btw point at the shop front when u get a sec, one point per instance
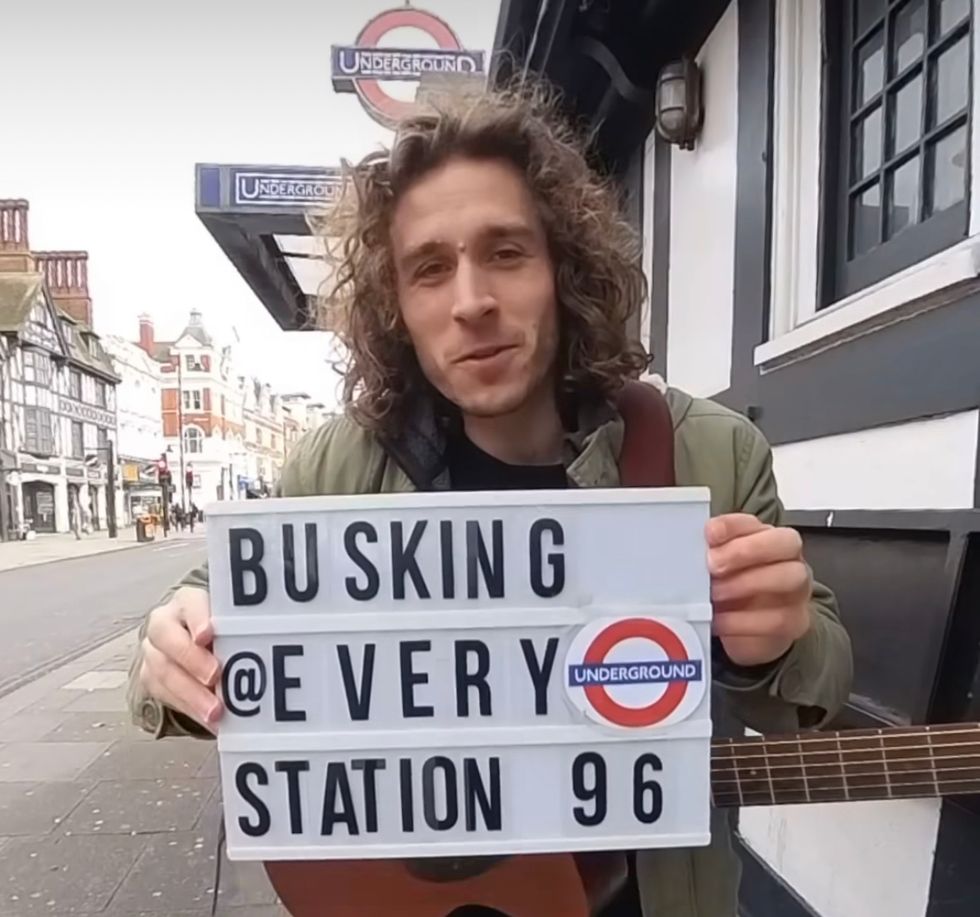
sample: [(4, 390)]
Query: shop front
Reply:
[(9, 520), (42, 490), (39, 513), (141, 489)]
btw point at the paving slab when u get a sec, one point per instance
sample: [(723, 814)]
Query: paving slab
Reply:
[(140, 760), (63, 875), (98, 680), (49, 703), (105, 700), (140, 807), (29, 726), (25, 762), (35, 809), (174, 872), (93, 726), (210, 766), (242, 883)]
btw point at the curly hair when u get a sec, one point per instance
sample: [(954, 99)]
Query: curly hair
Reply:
[(599, 282)]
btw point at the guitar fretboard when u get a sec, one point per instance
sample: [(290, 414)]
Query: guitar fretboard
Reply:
[(862, 764)]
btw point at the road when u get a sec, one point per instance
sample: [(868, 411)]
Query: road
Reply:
[(57, 611)]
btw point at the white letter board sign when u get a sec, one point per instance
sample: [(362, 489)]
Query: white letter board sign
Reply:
[(463, 674)]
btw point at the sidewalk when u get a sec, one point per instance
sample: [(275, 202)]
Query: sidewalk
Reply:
[(97, 818), (46, 548)]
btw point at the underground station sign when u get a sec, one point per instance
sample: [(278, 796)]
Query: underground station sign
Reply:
[(463, 674), (363, 67)]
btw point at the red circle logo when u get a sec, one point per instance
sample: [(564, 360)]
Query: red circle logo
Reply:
[(356, 69), (612, 636), (671, 679)]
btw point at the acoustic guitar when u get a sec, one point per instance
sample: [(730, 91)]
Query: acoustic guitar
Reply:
[(846, 766)]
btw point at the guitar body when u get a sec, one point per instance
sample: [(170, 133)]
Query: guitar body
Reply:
[(542, 885)]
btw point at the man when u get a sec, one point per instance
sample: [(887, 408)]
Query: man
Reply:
[(483, 279)]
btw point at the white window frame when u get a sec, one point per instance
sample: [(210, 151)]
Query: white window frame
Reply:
[(797, 328), (192, 428), (188, 400)]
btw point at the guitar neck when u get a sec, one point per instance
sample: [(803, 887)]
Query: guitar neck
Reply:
[(862, 764)]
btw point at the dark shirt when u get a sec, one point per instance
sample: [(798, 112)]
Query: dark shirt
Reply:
[(470, 468)]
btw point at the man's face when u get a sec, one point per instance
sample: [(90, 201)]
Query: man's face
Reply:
[(476, 286)]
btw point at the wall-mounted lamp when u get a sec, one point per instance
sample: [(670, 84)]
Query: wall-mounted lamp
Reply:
[(680, 110)]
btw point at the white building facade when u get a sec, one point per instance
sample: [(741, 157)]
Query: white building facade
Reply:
[(814, 264), (141, 443)]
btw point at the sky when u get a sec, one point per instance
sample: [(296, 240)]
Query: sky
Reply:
[(107, 106)]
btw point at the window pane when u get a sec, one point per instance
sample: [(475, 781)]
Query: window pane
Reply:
[(869, 69), (909, 35), (948, 14), (866, 13), (867, 145), (903, 197), (947, 170), (906, 116), (949, 86), (865, 220)]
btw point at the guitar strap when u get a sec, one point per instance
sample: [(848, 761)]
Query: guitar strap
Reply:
[(646, 459), (647, 456)]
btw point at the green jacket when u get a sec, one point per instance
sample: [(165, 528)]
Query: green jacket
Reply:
[(714, 448)]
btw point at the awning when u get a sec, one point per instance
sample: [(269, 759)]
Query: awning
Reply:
[(258, 216)]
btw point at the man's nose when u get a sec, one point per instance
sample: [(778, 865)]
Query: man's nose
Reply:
[(473, 297)]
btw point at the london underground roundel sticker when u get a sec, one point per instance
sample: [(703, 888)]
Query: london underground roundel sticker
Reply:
[(636, 673)]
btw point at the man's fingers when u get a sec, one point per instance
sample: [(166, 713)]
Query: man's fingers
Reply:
[(768, 546), (194, 608), (753, 623), (781, 580), (204, 636), (176, 688), (167, 634), (732, 525)]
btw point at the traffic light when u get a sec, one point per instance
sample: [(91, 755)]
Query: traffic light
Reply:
[(189, 479), (163, 476)]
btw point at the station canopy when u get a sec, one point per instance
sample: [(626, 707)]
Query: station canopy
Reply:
[(258, 216)]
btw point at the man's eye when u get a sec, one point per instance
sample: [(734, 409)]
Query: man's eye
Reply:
[(507, 254), (430, 270)]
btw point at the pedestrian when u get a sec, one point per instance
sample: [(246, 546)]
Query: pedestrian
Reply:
[(192, 516), (75, 514), (484, 281)]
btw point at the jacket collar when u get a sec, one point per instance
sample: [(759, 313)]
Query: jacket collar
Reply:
[(591, 450)]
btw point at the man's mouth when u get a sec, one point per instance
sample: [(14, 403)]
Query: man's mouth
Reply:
[(480, 354)]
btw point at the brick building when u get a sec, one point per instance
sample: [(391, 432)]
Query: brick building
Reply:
[(57, 389), (201, 408)]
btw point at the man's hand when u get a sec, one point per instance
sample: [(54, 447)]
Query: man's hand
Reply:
[(760, 587), (178, 667)]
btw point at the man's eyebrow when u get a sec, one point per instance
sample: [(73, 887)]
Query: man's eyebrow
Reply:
[(519, 231), (422, 250), (512, 230)]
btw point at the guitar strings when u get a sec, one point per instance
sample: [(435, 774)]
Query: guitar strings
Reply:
[(856, 789), (857, 735), (909, 773), (877, 757)]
